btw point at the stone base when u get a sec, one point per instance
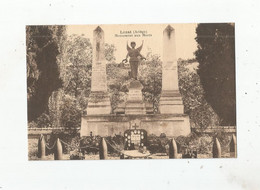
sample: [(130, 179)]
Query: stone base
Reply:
[(171, 103), (99, 104), (135, 104), (108, 125), (133, 108), (122, 107)]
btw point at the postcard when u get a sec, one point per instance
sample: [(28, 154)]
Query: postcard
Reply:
[(131, 91)]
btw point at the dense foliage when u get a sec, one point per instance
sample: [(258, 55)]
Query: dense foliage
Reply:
[(65, 104), (216, 57), (150, 75), (200, 112), (42, 68)]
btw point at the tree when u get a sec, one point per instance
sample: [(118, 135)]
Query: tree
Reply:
[(42, 68), (201, 113), (109, 52), (216, 57), (55, 103), (75, 63), (70, 112), (76, 66)]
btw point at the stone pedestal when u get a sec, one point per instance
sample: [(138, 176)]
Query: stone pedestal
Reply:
[(171, 100), (99, 101), (135, 104)]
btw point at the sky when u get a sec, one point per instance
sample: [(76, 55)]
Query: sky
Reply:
[(184, 33)]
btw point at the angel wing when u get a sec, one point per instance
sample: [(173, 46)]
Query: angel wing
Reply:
[(127, 47), (140, 48)]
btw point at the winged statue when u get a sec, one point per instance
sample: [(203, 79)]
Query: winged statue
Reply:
[(135, 56)]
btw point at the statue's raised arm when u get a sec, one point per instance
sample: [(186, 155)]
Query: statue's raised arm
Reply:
[(127, 47)]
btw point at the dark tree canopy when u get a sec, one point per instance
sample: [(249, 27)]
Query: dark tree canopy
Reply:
[(216, 57), (42, 68)]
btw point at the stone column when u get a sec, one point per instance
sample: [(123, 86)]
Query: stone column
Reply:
[(171, 100), (99, 101)]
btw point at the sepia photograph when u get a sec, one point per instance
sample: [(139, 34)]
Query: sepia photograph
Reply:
[(131, 91)]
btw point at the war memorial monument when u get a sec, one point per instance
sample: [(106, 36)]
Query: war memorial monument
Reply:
[(135, 113)]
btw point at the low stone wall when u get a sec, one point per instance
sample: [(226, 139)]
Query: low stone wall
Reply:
[(213, 129), (108, 125), (97, 126), (36, 132)]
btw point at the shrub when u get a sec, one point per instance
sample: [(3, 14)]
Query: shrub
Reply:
[(201, 143), (157, 144)]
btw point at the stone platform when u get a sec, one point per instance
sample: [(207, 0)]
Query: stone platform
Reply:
[(172, 125)]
